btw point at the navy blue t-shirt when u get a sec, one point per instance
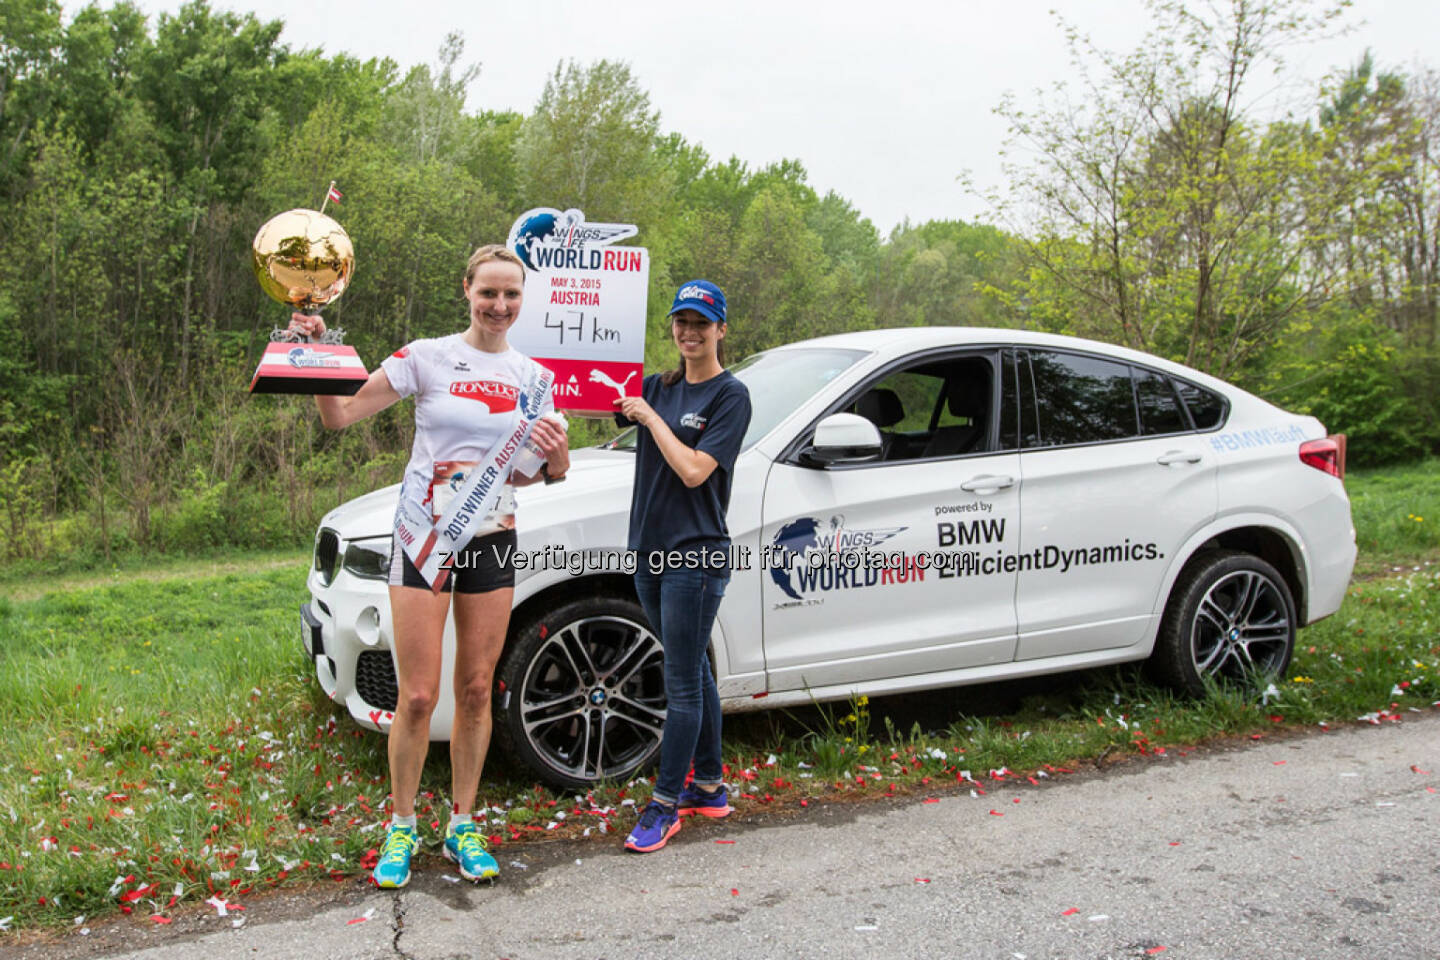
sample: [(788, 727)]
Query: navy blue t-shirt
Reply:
[(666, 515)]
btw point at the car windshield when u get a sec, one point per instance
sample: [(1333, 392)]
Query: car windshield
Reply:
[(779, 381)]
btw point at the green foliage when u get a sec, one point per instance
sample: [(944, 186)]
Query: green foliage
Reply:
[(1349, 372), (137, 157)]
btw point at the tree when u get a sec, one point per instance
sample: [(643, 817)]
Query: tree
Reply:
[(208, 83), (1159, 208), (591, 143), (424, 116)]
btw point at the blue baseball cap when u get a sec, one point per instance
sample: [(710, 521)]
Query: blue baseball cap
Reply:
[(703, 297)]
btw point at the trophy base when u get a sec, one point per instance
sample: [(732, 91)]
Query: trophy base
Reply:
[(329, 369)]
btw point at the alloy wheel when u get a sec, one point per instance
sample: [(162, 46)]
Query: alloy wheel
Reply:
[(592, 701)]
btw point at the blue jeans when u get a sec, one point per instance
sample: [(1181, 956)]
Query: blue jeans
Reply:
[(681, 605)]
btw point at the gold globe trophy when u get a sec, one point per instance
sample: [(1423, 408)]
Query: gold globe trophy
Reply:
[(305, 260)]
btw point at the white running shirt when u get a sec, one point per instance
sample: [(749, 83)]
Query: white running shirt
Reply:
[(464, 403)]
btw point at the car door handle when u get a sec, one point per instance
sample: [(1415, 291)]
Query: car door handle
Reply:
[(985, 483), (1171, 457)]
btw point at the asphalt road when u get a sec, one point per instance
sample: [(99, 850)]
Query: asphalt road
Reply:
[(1316, 846)]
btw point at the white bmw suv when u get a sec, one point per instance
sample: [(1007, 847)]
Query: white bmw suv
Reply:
[(911, 509)]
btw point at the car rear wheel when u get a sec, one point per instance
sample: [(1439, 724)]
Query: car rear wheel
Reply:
[(1230, 619), (583, 693)]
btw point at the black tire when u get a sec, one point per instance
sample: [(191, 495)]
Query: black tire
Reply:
[(1230, 619), (581, 693)]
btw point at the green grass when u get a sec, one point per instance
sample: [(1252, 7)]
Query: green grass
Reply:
[(168, 735), (29, 579), (166, 740), (1397, 516)]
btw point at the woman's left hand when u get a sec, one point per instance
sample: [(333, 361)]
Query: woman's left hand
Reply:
[(637, 410), (554, 443)]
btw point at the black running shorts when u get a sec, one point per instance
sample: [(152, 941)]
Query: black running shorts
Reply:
[(486, 563)]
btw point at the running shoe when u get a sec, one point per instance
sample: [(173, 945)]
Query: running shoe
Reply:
[(393, 868), (693, 800), (658, 823), (466, 845)]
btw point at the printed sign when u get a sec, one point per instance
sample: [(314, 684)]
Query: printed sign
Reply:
[(584, 313)]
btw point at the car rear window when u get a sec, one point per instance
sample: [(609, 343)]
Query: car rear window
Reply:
[(1160, 411), (1207, 409), (1081, 399)]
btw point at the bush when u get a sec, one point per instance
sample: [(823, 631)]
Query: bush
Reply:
[(1356, 378)]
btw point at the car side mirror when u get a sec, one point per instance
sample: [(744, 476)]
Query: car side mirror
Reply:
[(844, 438)]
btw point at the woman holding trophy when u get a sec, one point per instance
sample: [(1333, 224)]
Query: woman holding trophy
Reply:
[(478, 403)]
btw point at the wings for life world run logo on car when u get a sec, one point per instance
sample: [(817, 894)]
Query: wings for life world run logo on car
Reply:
[(809, 556), (546, 238)]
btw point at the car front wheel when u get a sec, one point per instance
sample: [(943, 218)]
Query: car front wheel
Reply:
[(1231, 618), (582, 695)]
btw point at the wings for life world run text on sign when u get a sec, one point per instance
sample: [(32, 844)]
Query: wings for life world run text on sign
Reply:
[(584, 312)]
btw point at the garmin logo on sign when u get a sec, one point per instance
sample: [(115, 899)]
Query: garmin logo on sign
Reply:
[(549, 238)]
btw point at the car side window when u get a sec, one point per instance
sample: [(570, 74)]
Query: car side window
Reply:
[(937, 408), (1081, 399), (1207, 409), (1160, 410)]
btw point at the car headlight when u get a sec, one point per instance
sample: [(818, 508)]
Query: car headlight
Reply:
[(368, 559)]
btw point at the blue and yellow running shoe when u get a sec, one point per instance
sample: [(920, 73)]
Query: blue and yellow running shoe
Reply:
[(658, 823), (393, 868), (466, 846)]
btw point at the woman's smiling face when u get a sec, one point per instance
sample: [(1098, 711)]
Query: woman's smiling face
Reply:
[(495, 293), (695, 334)]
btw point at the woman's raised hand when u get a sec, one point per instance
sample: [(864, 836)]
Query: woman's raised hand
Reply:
[(308, 325)]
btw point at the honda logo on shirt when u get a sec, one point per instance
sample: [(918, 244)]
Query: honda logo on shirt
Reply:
[(498, 396)]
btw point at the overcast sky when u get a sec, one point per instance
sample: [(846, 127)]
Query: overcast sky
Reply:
[(883, 103)]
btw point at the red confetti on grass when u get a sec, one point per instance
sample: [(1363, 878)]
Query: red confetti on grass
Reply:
[(1154, 950), (159, 919), (1278, 763), (725, 841), (931, 800), (734, 892), (996, 813), (1071, 912), (1175, 843), (922, 879), (1416, 768)]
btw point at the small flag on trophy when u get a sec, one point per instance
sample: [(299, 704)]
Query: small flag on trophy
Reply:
[(333, 194)]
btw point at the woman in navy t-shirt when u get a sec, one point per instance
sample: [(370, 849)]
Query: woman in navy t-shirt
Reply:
[(692, 420)]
